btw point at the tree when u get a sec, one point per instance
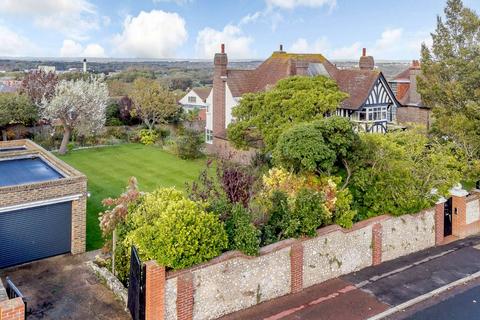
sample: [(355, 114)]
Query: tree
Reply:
[(15, 108), (78, 105), (318, 146), (39, 85), (264, 116), (450, 80), (153, 103)]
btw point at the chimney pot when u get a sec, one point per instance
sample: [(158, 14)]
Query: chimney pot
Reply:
[(222, 48), (364, 52)]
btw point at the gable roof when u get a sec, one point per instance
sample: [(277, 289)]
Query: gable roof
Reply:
[(356, 82), (203, 92)]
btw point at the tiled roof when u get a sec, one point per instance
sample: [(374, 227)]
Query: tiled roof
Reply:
[(202, 92), (357, 83)]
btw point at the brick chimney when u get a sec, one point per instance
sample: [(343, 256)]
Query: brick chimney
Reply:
[(415, 71), (366, 62), (219, 81)]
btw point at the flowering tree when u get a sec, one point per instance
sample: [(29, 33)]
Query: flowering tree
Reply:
[(78, 105)]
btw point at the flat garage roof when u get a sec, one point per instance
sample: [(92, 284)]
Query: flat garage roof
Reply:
[(26, 170)]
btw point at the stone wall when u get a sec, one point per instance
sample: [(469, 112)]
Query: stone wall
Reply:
[(408, 233), (235, 281)]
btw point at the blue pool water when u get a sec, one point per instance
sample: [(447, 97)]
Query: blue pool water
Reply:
[(27, 170)]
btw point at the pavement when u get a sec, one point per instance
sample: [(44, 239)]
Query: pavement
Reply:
[(64, 287), (373, 290)]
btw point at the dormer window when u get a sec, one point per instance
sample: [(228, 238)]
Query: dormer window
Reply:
[(192, 99)]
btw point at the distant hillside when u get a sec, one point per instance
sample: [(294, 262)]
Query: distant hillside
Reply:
[(166, 68)]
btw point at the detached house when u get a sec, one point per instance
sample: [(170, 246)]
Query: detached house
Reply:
[(404, 85), (371, 103), (196, 99)]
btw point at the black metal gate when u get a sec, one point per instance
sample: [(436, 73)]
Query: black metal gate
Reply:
[(447, 220), (136, 287), (13, 292)]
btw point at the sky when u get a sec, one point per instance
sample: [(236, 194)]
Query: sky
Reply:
[(194, 29)]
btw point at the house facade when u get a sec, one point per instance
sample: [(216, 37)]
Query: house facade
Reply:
[(404, 86), (196, 99), (371, 104)]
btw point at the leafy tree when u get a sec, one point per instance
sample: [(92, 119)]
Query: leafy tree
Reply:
[(266, 115), (316, 146), (180, 83), (176, 231), (39, 85), (397, 173), (15, 108), (450, 80), (78, 105), (154, 104)]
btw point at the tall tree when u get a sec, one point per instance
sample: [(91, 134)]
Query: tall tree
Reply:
[(450, 80), (78, 105), (265, 115), (39, 85), (15, 108), (154, 104)]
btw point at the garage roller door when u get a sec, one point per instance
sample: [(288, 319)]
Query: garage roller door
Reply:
[(34, 233)]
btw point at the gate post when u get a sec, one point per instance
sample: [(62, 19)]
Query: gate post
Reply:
[(13, 309), (154, 291), (439, 220), (459, 211)]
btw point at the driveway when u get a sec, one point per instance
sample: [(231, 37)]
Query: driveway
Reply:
[(64, 287)]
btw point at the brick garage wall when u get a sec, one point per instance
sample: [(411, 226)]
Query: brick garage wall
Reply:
[(74, 184), (408, 233), (13, 309), (235, 281)]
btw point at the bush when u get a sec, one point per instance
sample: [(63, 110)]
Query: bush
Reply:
[(279, 212), (188, 145), (242, 234), (308, 213), (113, 115), (176, 231), (148, 137)]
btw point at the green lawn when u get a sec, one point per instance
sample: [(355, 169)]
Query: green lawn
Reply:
[(108, 170)]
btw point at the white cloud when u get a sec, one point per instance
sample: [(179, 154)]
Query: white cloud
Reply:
[(73, 18), (388, 41), (14, 44), (291, 4), (323, 46), (73, 49), (238, 45), (154, 34), (179, 2)]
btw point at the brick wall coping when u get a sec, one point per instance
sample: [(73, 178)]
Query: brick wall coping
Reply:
[(71, 175), (229, 255)]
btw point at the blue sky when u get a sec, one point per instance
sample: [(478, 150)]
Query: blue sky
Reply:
[(195, 28)]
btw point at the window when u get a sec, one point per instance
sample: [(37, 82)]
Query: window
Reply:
[(208, 136), (192, 99), (374, 114)]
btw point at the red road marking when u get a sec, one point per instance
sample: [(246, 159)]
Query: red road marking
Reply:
[(288, 312)]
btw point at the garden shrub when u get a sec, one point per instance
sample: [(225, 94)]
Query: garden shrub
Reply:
[(148, 137), (237, 181), (242, 234), (188, 144), (279, 212), (112, 113), (176, 231)]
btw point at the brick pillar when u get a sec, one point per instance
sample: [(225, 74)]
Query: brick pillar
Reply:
[(79, 225), (377, 233), (296, 267), (185, 299), (13, 309), (459, 211), (220, 63), (154, 291), (439, 221)]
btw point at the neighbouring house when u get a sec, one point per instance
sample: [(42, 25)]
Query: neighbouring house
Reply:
[(404, 85), (197, 99), (9, 85), (42, 204), (371, 104)]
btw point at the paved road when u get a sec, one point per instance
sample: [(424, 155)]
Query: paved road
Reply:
[(460, 307)]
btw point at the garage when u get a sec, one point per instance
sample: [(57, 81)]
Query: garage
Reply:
[(34, 233), (42, 205)]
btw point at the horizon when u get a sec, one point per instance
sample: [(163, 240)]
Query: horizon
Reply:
[(194, 29)]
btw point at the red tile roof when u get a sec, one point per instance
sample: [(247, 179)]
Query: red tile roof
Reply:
[(357, 83)]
